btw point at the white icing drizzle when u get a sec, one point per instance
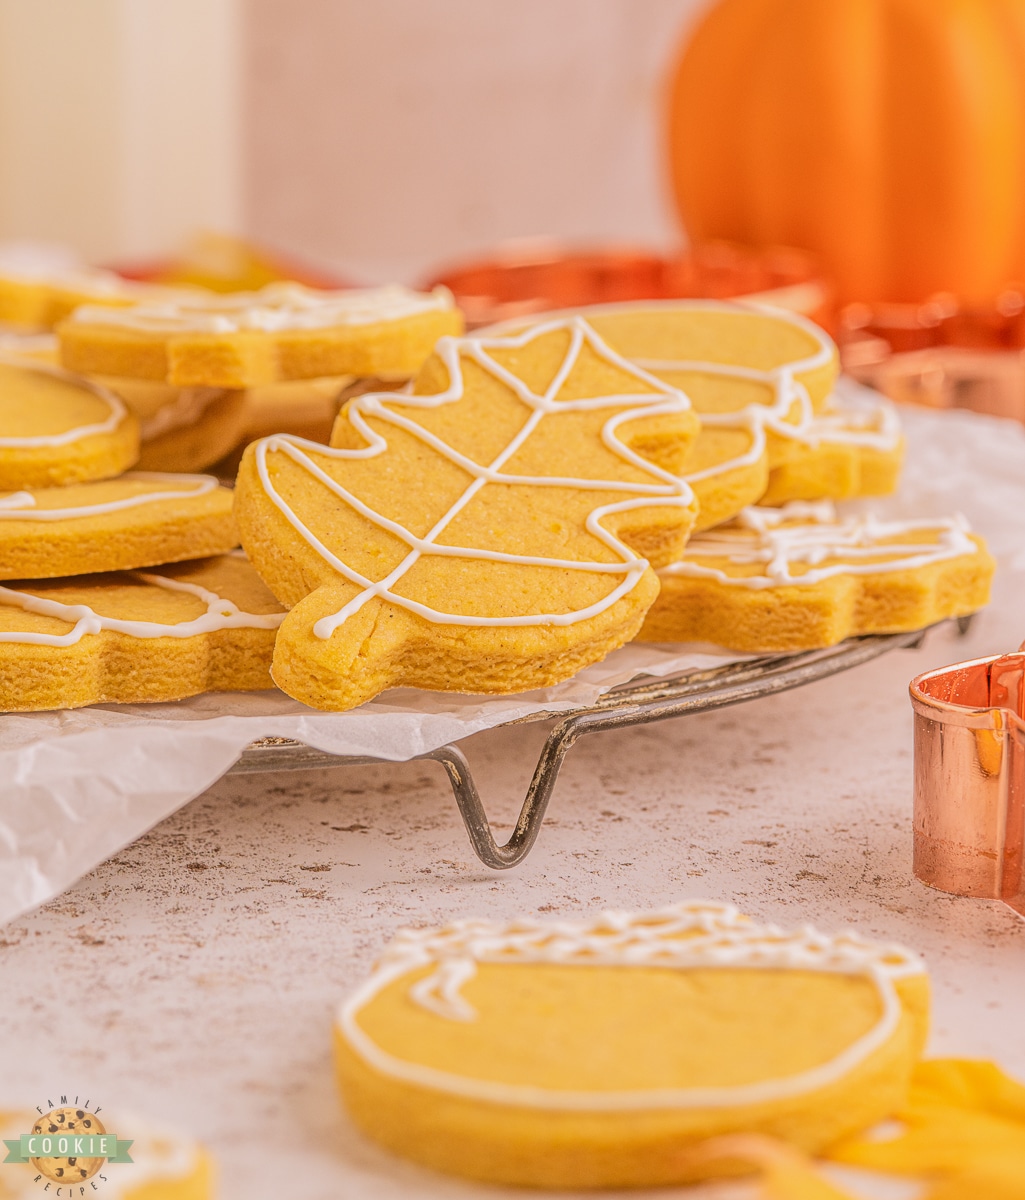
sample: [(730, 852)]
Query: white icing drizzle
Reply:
[(685, 936), (184, 410), (20, 506), (221, 613), (117, 410), (778, 539), (755, 419), (668, 490), (858, 417), (279, 307), (158, 1154)]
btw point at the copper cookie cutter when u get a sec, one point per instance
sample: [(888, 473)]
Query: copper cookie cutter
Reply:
[(969, 821)]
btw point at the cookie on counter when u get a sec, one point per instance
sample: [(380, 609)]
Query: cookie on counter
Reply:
[(58, 428), (802, 577), (595, 1053), (491, 531), (141, 519), (136, 637), (160, 1163), (284, 332)]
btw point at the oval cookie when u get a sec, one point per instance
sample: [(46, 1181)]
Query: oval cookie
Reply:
[(590, 1054), (58, 428), (140, 519)]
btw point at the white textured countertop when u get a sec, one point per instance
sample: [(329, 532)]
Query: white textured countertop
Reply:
[(193, 977)]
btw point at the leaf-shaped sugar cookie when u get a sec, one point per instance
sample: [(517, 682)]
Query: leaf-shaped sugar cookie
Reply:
[(491, 531)]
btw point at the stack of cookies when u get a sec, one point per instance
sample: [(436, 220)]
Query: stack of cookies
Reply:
[(529, 504), (529, 501), (775, 566), (127, 585)]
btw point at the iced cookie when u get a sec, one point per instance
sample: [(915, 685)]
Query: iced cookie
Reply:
[(755, 377), (57, 428), (286, 331), (743, 367), (728, 468), (149, 1162), (490, 532), (800, 577), (593, 1054), (141, 519), (183, 429), (132, 637), (853, 448), (41, 285)]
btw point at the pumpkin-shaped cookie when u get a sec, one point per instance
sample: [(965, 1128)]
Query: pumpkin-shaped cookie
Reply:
[(595, 1053)]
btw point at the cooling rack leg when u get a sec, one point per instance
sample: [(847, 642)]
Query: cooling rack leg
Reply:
[(532, 814)]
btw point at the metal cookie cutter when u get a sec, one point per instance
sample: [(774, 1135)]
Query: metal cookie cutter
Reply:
[(970, 778)]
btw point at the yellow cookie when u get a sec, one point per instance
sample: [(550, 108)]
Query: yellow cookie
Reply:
[(286, 331), (141, 519), (306, 408), (592, 1054), (728, 468), (183, 429), (131, 637), (742, 366), (756, 378), (160, 1163), (482, 534), (38, 292), (800, 577), (853, 448), (58, 428)]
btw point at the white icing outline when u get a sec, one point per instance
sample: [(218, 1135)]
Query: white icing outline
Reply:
[(858, 416), (816, 533), (671, 491), (19, 506), (118, 411), (689, 935), (277, 308), (755, 419), (221, 613)]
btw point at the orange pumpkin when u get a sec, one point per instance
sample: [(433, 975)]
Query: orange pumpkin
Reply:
[(887, 136)]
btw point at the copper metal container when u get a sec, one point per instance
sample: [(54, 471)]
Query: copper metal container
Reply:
[(521, 278), (941, 353), (969, 820)]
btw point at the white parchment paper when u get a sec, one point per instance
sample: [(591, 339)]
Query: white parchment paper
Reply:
[(77, 786)]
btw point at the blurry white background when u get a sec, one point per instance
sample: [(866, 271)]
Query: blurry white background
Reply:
[(379, 137)]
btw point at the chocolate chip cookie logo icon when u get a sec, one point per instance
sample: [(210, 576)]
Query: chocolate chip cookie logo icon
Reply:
[(68, 1145)]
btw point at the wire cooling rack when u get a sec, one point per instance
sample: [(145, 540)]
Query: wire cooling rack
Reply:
[(636, 703)]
